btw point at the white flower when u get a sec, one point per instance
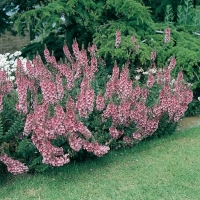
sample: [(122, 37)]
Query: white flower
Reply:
[(7, 54), (17, 53), (172, 82), (24, 60), (137, 78), (11, 62), (189, 84), (11, 56), (63, 18), (54, 24), (6, 67), (12, 78), (139, 70), (153, 71), (145, 73), (3, 59), (21, 58), (13, 69), (198, 98)]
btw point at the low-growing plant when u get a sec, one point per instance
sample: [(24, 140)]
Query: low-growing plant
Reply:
[(73, 108)]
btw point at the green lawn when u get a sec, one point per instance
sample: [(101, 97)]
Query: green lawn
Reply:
[(167, 168)]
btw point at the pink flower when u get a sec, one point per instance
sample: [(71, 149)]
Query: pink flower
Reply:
[(159, 76), (92, 49), (172, 64), (118, 39), (67, 53), (29, 123), (100, 102), (137, 136), (13, 166), (75, 142), (167, 35), (137, 47), (50, 59), (75, 49), (5, 87), (128, 141), (133, 39), (150, 81), (115, 133), (68, 73), (124, 112), (153, 55), (59, 87), (167, 75)]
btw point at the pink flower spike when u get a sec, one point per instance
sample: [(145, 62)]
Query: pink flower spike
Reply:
[(172, 64), (150, 81), (167, 35), (153, 55), (118, 39), (100, 102)]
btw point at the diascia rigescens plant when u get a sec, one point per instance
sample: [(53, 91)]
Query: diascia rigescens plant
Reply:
[(123, 102)]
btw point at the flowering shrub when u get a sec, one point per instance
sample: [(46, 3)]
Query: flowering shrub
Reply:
[(71, 110)]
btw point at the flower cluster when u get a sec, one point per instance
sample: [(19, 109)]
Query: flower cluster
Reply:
[(13, 166), (40, 122), (23, 84), (66, 71), (167, 35), (174, 98), (67, 53), (115, 133), (5, 87), (172, 64), (85, 99), (112, 84), (118, 39), (124, 85), (98, 150), (100, 102), (153, 55), (150, 81), (50, 59), (133, 39)]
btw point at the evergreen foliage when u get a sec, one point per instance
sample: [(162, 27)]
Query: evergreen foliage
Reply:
[(69, 18), (3, 21), (54, 42), (14, 129)]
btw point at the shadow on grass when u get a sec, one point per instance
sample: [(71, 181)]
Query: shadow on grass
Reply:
[(90, 165)]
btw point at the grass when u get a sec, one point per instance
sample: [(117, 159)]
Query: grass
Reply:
[(166, 168)]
